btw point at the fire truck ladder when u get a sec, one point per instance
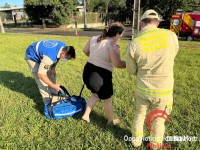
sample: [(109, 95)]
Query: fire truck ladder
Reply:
[(188, 20)]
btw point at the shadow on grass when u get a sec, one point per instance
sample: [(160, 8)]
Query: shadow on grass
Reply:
[(17, 82), (100, 121), (120, 133)]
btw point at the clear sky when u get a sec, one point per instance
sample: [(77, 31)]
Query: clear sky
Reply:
[(18, 3)]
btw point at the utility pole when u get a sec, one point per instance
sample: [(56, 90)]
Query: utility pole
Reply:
[(136, 18), (106, 18), (1, 26), (85, 16)]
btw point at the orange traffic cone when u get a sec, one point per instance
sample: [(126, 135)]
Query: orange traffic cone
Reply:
[(76, 33)]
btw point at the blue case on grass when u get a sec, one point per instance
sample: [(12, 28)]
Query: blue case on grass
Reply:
[(66, 106)]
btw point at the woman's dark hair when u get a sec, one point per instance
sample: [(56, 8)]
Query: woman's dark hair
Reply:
[(70, 51), (111, 31)]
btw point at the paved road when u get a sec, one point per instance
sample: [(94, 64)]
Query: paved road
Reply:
[(55, 31), (127, 34)]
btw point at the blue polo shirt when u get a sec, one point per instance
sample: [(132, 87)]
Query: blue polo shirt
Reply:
[(49, 48)]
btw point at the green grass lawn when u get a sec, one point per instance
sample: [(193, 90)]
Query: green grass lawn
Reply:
[(23, 125)]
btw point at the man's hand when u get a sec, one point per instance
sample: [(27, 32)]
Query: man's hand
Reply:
[(57, 87)]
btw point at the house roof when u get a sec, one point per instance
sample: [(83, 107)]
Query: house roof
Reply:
[(12, 8)]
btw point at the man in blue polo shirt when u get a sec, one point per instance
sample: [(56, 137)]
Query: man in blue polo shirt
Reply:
[(42, 58)]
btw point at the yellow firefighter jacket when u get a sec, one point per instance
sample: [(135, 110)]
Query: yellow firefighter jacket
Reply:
[(150, 56)]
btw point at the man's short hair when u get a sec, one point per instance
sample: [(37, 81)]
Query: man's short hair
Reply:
[(149, 20), (70, 51)]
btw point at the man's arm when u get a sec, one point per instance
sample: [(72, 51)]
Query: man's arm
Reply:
[(46, 80), (131, 65), (42, 73)]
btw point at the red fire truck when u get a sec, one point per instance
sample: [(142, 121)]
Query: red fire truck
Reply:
[(186, 25)]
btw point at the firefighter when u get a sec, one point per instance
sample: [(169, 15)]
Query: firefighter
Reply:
[(150, 56), (42, 58)]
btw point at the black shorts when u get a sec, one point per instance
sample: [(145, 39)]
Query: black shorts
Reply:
[(98, 80)]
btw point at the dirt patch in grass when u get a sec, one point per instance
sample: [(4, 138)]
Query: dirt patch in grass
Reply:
[(190, 46)]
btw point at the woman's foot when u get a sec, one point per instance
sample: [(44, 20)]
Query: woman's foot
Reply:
[(113, 122), (87, 119)]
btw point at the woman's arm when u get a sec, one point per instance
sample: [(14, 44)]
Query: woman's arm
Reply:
[(86, 49), (115, 57)]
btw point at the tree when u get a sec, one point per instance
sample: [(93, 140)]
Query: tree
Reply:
[(114, 6), (55, 11), (166, 8), (107, 7), (92, 5), (6, 5), (191, 5), (129, 9), (117, 10), (106, 3)]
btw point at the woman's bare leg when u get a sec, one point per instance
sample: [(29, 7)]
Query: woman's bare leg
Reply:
[(109, 112), (91, 103)]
